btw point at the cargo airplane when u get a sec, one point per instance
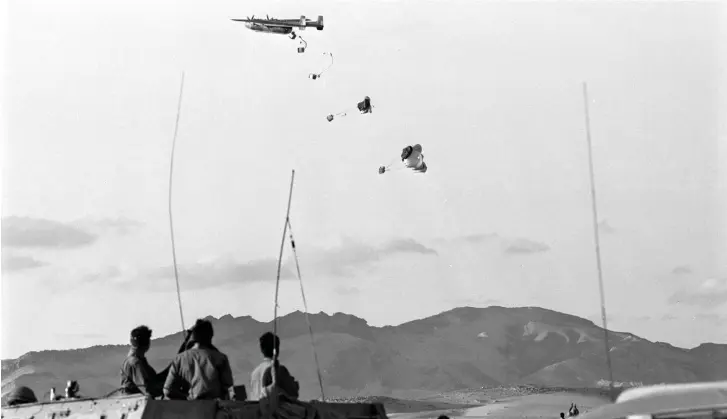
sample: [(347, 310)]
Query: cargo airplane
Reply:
[(280, 26)]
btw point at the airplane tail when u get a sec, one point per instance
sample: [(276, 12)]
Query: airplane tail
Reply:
[(319, 24)]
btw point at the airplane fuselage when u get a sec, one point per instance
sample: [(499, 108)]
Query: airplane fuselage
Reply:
[(281, 26), (282, 30)]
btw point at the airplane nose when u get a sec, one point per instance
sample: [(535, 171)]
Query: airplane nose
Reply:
[(248, 25)]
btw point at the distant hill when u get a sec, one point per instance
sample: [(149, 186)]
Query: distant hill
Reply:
[(461, 348)]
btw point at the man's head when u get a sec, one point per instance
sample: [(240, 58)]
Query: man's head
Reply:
[(72, 388), (21, 395), (562, 415), (141, 338), (269, 343), (202, 332)]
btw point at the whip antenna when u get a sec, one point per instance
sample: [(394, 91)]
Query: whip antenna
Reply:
[(273, 399), (288, 228), (307, 318), (171, 223), (597, 240), (280, 258)]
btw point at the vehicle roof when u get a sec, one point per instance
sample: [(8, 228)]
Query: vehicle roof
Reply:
[(641, 392), (664, 399)]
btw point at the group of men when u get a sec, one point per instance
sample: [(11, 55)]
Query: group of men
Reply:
[(200, 371), (572, 411)]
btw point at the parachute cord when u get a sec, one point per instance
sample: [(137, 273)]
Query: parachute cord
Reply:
[(277, 286), (305, 306), (597, 240), (345, 111), (329, 65), (352, 109), (393, 162), (171, 223)]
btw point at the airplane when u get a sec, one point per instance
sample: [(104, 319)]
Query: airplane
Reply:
[(280, 26)]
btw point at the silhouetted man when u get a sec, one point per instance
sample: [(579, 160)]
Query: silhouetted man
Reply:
[(261, 379), (137, 376), (202, 369)]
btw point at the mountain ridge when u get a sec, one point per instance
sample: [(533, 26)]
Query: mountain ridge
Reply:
[(229, 317), (460, 348)]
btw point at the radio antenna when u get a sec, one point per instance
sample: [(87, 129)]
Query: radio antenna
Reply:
[(171, 223), (273, 397), (597, 240)]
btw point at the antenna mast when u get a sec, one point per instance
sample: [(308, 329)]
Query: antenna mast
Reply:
[(597, 240), (171, 224), (280, 258), (274, 396)]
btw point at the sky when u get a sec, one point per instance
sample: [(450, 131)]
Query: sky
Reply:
[(491, 90)]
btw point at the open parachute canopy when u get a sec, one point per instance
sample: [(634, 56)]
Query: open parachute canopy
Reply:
[(363, 107), (412, 158)]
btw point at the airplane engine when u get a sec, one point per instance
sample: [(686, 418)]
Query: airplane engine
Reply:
[(302, 23), (319, 26)]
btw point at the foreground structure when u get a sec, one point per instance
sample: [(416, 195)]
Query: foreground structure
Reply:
[(139, 407), (672, 401)]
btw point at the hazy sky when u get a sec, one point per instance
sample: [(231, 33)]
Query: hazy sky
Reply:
[(491, 90)]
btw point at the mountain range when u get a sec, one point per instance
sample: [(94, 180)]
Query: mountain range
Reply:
[(461, 348)]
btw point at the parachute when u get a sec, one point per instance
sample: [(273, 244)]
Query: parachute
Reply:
[(314, 76), (411, 155), (363, 107), (412, 158)]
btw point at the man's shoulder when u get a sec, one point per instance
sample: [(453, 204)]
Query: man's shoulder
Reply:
[(217, 354), (281, 369), (262, 367), (209, 353), (181, 357), (132, 360), (265, 363)]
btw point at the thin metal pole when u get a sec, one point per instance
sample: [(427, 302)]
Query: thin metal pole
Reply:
[(273, 397), (171, 223), (307, 317), (280, 258), (597, 239)]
